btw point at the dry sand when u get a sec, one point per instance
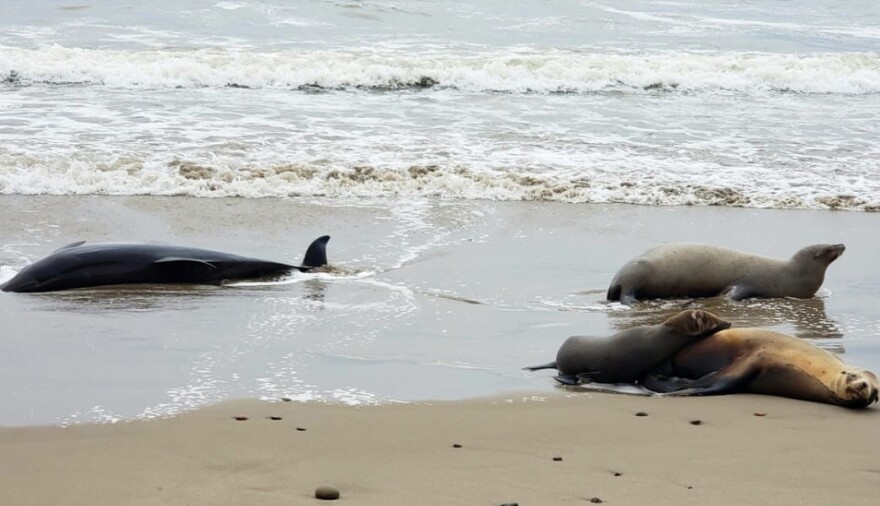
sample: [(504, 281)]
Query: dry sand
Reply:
[(798, 453)]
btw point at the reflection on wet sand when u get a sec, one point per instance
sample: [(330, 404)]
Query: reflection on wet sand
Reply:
[(315, 290), (153, 297), (804, 318), (127, 298)]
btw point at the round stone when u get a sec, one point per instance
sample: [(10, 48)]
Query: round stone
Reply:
[(327, 493)]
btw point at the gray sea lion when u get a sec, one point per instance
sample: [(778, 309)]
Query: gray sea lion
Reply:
[(627, 356), (81, 265), (764, 362), (699, 270)]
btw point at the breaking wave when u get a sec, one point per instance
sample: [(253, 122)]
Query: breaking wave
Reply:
[(455, 182), (510, 71)]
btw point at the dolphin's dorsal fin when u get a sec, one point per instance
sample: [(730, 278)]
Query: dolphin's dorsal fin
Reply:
[(71, 245), (183, 261), (316, 255)]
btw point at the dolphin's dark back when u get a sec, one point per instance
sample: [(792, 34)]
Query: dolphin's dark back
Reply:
[(81, 265)]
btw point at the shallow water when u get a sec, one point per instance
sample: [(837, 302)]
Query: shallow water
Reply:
[(427, 299)]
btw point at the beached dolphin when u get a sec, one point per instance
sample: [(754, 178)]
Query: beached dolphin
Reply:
[(81, 265)]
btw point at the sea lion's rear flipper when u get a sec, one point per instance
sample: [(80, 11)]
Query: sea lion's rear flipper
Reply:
[(549, 365), (316, 254), (566, 379)]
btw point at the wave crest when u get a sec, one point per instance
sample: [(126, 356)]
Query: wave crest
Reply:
[(552, 71), (188, 178)]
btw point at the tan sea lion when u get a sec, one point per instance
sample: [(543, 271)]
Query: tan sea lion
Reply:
[(762, 361), (699, 270), (628, 355)]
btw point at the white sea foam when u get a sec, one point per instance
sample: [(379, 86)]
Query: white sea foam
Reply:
[(550, 71), (631, 185)]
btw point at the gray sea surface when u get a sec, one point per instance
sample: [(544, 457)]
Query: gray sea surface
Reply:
[(763, 103)]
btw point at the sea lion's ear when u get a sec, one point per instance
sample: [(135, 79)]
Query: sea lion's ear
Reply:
[(698, 322)]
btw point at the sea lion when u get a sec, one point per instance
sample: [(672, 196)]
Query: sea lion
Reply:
[(762, 361), (699, 270), (81, 265), (628, 355)]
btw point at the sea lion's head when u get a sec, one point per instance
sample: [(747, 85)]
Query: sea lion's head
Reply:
[(696, 323), (819, 254), (857, 388)]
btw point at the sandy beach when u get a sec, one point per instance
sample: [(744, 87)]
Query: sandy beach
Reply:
[(510, 446)]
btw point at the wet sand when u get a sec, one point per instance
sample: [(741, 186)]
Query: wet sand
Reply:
[(433, 299), (797, 453)]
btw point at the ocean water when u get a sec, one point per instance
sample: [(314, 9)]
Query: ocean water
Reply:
[(759, 104), (475, 163)]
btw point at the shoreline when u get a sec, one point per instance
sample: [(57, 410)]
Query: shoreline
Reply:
[(458, 296), (796, 452)]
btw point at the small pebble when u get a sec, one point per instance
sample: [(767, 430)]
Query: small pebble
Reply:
[(617, 474), (274, 418), (456, 445), (690, 487), (760, 413), (696, 422), (326, 493), (596, 500), (240, 418), (510, 504), (300, 429), (641, 413), (557, 459), (286, 399)]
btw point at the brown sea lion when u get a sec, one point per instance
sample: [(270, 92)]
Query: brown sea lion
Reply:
[(699, 270), (628, 355), (761, 361)]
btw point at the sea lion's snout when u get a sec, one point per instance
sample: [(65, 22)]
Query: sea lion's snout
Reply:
[(836, 251), (862, 388)]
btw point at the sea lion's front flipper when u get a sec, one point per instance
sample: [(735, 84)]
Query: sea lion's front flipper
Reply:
[(726, 381), (662, 384), (737, 292), (628, 298)]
